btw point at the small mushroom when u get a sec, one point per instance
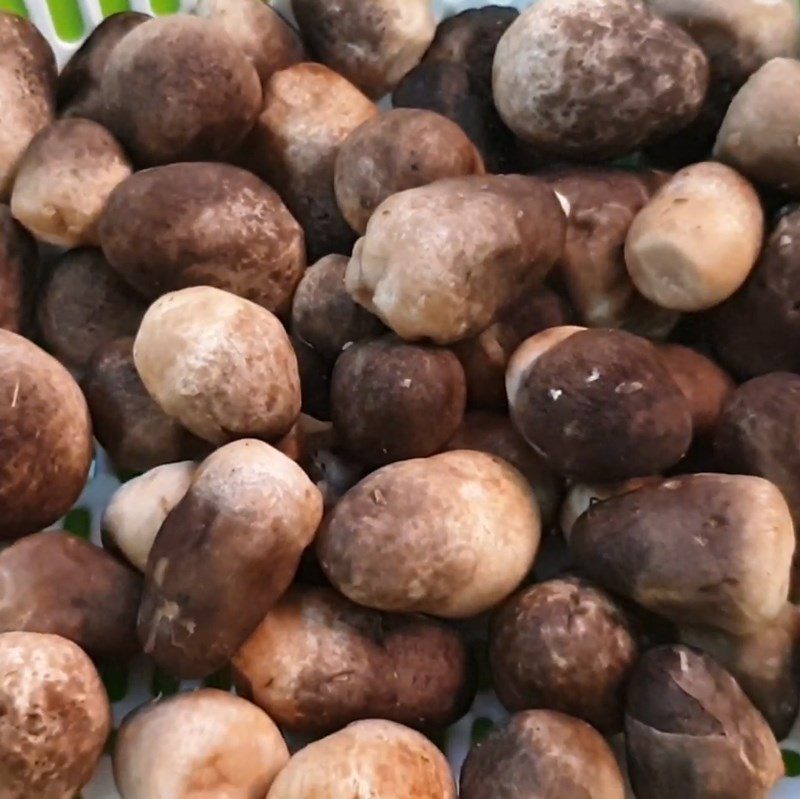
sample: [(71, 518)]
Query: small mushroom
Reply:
[(765, 664), (18, 273), (563, 645), (224, 555), (760, 131), (308, 113), (203, 743), (318, 662), (260, 32), (705, 549), (78, 93), (55, 719), (694, 244), (510, 232), (381, 758), (461, 531), (46, 431), (391, 401), (27, 92), (324, 315), (690, 731), (372, 44), (599, 405), (495, 435), (127, 421), (610, 100), (54, 582), (83, 306), (138, 508), (400, 150), (234, 354), (544, 754)]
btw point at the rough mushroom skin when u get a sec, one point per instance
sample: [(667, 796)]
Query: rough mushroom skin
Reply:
[(563, 645), (511, 231), (308, 113), (359, 755), (247, 242), (57, 583), (27, 92), (602, 205), (759, 134), (485, 357), (56, 717), (696, 241), (552, 72), (494, 434), (205, 743), (372, 44), (45, 429), (200, 108), (18, 273), (78, 92), (402, 149), (64, 180), (224, 555), (462, 529), (757, 331), (391, 401), (324, 315), (222, 366), (598, 404), (318, 662), (706, 549), (691, 731), (128, 423), (765, 664), (260, 32), (545, 754), (83, 305)]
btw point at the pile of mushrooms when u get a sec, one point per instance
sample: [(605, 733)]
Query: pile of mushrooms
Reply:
[(508, 373)]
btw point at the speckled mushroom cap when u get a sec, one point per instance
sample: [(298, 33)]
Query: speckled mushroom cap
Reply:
[(380, 757), (573, 77), (55, 717)]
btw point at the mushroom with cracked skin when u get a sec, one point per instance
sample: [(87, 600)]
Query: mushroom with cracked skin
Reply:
[(44, 422), (372, 44), (461, 529), (690, 731), (392, 400), (177, 88), (511, 231), (224, 555), (206, 743), (704, 549), (563, 645), (27, 92), (380, 757), (402, 149), (318, 662), (222, 366), (227, 229), (308, 113), (697, 240), (599, 405), (613, 97), (56, 717), (545, 754)]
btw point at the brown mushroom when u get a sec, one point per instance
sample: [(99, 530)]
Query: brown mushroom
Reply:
[(18, 273)]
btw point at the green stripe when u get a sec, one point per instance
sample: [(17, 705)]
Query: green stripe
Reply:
[(67, 19), (162, 7), (109, 7), (14, 7)]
